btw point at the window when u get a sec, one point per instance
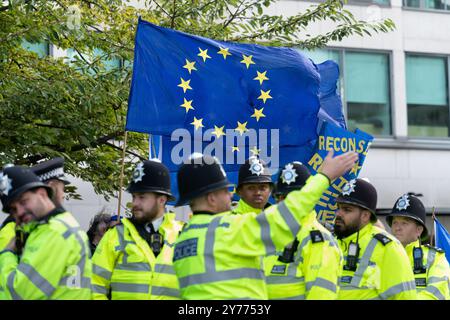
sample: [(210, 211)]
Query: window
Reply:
[(426, 95), (428, 4), (41, 48), (109, 64), (380, 2), (366, 88)]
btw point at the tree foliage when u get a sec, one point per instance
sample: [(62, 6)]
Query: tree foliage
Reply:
[(76, 107)]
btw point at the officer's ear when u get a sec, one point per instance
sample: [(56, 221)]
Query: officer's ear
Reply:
[(162, 199), (365, 216), (419, 230)]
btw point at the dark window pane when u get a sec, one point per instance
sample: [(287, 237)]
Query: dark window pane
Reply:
[(427, 121), (370, 117)]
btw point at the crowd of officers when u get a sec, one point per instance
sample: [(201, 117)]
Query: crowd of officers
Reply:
[(250, 251)]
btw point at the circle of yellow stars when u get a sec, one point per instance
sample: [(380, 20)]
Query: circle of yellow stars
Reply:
[(241, 128)]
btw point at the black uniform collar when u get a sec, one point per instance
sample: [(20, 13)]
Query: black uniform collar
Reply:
[(51, 214), (204, 212)]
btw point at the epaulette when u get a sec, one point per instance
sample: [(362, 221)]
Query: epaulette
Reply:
[(434, 248), (382, 238), (316, 236)]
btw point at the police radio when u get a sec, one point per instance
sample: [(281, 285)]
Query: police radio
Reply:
[(418, 261), (352, 257), (289, 252), (156, 243)]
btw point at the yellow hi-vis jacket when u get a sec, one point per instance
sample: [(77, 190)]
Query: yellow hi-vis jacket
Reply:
[(218, 256), (125, 268), (7, 233), (314, 274), (433, 283), (317, 265), (383, 270), (54, 264)]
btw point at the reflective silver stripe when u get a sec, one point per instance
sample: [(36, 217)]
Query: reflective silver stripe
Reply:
[(210, 263), (133, 266), (99, 289), (323, 283), (163, 291), (85, 282), (265, 233), (225, 275), (430, 258), (164, 268), (122, 243), (14, 294), (83, 245), (436, 279), (39, 281), (399, 288), (289, 218), (298, 254), (283, 279), (435, 291), (101, 272), (349, 287), (129, 287), (364, 263)]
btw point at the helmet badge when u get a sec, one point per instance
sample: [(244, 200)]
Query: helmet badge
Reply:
[(138, 173), (349, 187), (5, 184), (256, 166), (288, 175), (403, 202)]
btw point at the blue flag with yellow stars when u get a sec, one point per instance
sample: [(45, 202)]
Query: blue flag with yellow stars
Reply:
[(183, 81), (340, 140)]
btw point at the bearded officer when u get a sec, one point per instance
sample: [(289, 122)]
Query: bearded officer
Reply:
[(375, 264), (133, 260), (430, 267)]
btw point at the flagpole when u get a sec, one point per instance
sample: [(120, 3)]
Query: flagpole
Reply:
[(433, 235), (121, 175)]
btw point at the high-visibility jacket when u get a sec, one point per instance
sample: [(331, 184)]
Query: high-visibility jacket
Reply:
[(315, 270), (432, 282), (125, 268), (218, 256), (54, 264), (243, 207), (7, 233), (382, 271)]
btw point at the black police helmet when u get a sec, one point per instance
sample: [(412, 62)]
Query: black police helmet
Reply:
[(200, 175), (292, 177), (361, 193), (151, 176), (16, 180), (51, 169), (254, 170), (411, 207)]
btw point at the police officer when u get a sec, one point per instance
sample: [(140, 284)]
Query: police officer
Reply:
[(217, 255), (51, 172), (309, 267), (55, 261), (254, 186), (430, 267), (375, 264), (133, 260)]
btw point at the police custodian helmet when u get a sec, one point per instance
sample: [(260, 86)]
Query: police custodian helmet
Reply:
[(15, 180), (200, 175), (292, 177), (411, 207), (151, 176), (361, 193), (254, 170)]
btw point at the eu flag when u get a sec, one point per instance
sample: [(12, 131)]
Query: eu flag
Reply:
[(190, 82), (442, 238)]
